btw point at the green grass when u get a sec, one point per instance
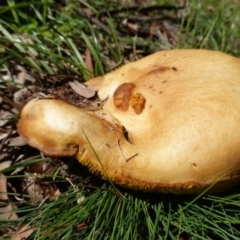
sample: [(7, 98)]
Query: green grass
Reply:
[(50, 40), (215, 26)]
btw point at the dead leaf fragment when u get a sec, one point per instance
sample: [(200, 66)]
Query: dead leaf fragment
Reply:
[(82, 90), (23, 231), (7, 211), (88, 61)]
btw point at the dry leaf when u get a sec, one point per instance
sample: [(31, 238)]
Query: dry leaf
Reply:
[(23, 231), (33, 188), (6, 212), (88, 61), (23, 94), (82, 90), (21, 77), (4, 117), (4, 134), (16, 142), (4, 165)]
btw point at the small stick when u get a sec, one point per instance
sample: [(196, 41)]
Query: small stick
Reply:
[(126, 159)]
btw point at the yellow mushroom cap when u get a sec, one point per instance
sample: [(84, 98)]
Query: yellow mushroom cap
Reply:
[(171, 124)]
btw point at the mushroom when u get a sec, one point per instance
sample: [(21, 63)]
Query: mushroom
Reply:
[(171, 124)]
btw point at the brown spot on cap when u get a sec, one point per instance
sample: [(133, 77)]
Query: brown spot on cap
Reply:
[(122, 95), (157, 70), (137, 102)]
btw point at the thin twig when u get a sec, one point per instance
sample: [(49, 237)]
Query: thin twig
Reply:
[(126, 159)]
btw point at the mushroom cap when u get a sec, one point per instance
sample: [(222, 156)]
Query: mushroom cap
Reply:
[(171, 124)]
